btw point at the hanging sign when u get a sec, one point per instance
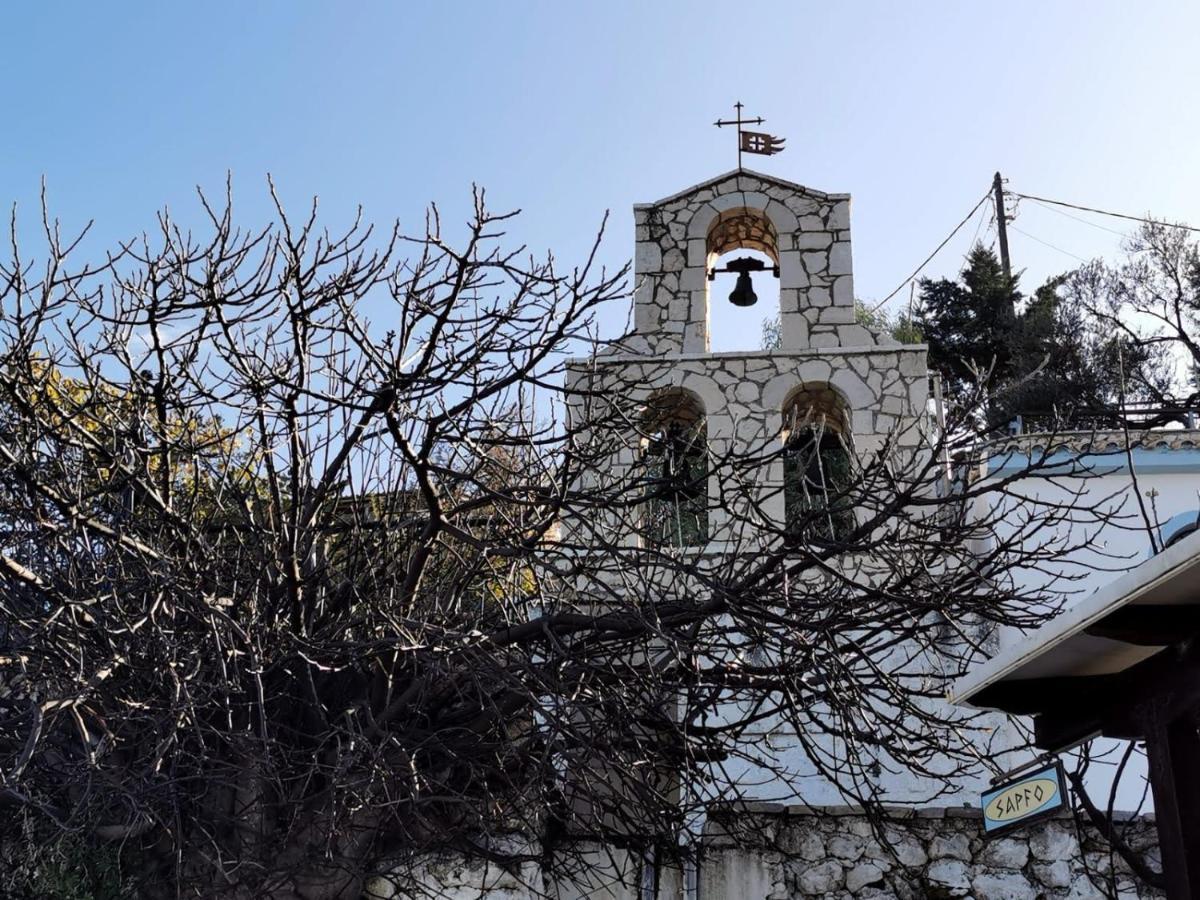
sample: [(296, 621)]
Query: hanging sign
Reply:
[(1030, 798)]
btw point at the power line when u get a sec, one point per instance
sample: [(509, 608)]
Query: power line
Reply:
[(975, 238), (936, 251), (1048, 244), (1059, 212), (1104, 212)]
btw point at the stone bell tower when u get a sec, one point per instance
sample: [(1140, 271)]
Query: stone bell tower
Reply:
[(871, 385), (806, 233), (831, 379)]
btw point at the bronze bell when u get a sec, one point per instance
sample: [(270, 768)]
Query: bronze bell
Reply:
[(743, 292)]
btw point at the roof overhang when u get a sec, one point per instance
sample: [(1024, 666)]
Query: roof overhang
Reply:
[(1086, 671)]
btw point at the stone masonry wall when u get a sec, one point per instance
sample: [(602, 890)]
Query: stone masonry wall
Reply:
[(828, 853), (831, 854), (806, 232)]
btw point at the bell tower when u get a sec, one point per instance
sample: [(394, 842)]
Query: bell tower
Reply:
[(804, 232), (860, 387)]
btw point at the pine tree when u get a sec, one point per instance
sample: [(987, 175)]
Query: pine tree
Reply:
[(1045, 358)]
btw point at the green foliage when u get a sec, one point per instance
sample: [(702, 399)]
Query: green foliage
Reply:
[(816, 476), (66, 869), (677, 487), (902, 328), (1043, 357), (772, 333)]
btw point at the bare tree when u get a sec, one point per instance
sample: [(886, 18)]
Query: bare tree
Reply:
[(317, 561), (1151, 300)]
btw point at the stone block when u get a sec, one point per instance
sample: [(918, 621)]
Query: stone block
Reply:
[(1006, 886), (794, 331), (647, 257), (839, 259), (781, 217), (821, 339), (950, 845), (862, 875), (918, 394), (791, 271), (747, 392), (819, 297), (949, 875), (814, 370), (697, 252), (910, 853), (813, 240), (839, 216), (843, 290), (695, 338), (836, 315), (816, 262), (912, 364), (821, 878), (1051, 841), (855, 336), (846, 847), (811, 847), (673, 261), (804, 208), (1055, 874), (1007, 853), (789, 300), (693, 279), (732, 200)]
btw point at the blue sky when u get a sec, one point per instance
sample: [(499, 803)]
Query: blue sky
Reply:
[(569, 109)]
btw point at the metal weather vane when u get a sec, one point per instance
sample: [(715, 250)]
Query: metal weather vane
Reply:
[(752, 141)]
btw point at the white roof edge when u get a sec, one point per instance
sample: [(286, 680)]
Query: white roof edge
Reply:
[(733, 173), (1168, 564), (622, 358)]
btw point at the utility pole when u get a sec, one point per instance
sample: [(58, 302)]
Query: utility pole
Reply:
[(1002, 225)]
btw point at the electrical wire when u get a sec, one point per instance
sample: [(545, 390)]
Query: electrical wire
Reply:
[(1059, 212), (978, 228), (1046, 243), (935, 252), (1104, 212)]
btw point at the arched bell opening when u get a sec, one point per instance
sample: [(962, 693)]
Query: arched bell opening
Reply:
[(742, 274), (817, 475), (674, 470)]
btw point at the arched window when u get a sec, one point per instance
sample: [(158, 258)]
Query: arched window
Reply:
[(738, 239), (676, 470), (816, 466)]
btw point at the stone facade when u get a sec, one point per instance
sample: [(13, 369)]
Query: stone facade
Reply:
[(744, 396), (832, 854), (880, 386), (805, 232)]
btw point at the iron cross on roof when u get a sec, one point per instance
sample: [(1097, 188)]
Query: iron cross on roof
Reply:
[(751, 141)]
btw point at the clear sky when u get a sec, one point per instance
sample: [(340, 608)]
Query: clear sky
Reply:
[(568, 109)]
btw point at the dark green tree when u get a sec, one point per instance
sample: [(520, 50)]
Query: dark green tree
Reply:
[(1045, 357)]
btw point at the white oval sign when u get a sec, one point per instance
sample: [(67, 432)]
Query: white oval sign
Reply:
[(1022, 799)]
